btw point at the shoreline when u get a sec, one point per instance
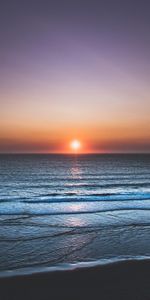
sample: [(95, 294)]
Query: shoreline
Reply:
[(119, 280), (65, 267)]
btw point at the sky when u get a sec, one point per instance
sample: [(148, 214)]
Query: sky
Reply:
[(74, 70)]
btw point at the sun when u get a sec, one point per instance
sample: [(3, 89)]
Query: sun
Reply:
[(75, 145)]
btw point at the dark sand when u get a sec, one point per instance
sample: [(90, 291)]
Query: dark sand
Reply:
[(125, 280)]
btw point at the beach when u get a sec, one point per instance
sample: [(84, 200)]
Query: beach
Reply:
[(124, 280)]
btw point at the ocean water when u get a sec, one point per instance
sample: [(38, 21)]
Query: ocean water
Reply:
[(58, 210)]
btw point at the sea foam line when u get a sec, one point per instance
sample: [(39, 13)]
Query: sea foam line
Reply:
[(72, 266)]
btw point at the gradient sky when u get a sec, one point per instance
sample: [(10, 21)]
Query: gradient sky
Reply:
[(75, 69)]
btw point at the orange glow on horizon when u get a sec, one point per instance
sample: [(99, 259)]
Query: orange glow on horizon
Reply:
[(107, 138)]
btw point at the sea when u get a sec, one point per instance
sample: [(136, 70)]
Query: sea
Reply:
[(62, 211)]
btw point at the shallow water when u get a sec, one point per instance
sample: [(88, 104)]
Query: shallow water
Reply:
[(61, 209)]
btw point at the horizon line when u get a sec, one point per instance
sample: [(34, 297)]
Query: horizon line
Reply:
[(70, 153)]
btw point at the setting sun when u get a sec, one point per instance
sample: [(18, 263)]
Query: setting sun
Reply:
[(75, 145)]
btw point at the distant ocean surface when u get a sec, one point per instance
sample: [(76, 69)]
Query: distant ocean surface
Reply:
[(57, 210)]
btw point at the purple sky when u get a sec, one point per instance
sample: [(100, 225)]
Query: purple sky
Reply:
[(75, 69)]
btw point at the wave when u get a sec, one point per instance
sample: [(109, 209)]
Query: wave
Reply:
[(55, 213), (82, 200), (74, 197), (92, 177), (62, 267), (108, 185), (81, 185)]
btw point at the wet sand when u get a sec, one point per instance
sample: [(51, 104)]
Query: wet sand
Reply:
[(124, 280)]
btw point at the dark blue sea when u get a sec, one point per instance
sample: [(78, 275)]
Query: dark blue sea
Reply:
[(58, 211)]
